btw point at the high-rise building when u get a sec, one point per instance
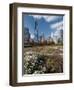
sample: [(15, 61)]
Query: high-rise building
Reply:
[(49, 40), (26, 35), (42, 38), (57, 37), (36, 33)]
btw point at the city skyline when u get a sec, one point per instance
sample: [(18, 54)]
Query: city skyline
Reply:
[(47, 24)]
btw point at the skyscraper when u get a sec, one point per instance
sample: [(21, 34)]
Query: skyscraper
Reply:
[(57, 36), (36, 33), (26, 35)]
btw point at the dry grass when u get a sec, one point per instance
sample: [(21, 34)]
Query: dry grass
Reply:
[(50, 56)]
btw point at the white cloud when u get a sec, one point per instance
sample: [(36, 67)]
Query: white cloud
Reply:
[(50, 18), (32, 36), (57, 26), (36, 16), (47, 18)]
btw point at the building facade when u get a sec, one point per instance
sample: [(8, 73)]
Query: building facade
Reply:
[(26, 35), (57, 37)]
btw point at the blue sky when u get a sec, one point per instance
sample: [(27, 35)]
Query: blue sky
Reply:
[(47, 24)]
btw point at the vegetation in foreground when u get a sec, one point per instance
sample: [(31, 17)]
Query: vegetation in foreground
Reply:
[(43, 59)]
